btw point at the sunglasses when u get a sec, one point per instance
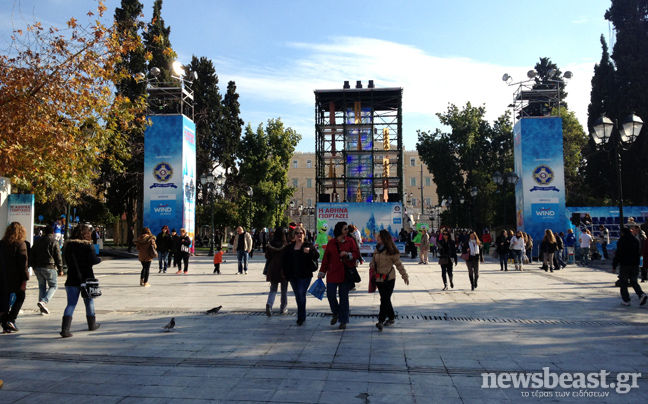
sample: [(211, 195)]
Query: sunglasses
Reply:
[(298, 233), (447, 235)]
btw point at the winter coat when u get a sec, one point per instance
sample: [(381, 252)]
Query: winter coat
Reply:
[(447, 250), (332, 263), (143, 244), (486, 238), (384, 264), (547, 247), (465, 248), (80, 257), (247, 242), (503, 244), (15, 260), (275, 257), (45, 253), (179, 242), (307, 261), (627, 253), (164, 242), (570, 240), (425, 242)]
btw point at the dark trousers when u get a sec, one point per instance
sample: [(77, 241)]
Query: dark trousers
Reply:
[(503, 261), (15, 309), (186, 263), (631, 273), (146, 267), (386, 288), (341, 308), (171, 262), (446, 269), (217, 268), (300, 287), (604, 248)]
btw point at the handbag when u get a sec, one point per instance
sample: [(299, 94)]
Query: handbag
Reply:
[(90, 288), (317, 289), (184, 248), (152, 251), (372, 279), (444, 261), (350, 273), (465, 256)]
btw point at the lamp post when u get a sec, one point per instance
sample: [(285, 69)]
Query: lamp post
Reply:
[(208, 179), (473, 192), (603, 130), (250, 192), (511, 178)]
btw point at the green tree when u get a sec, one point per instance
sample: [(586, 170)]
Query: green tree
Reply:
[(574, 141), (264, 157), (232, 128), (466, 157), (549, 76), (160, 54)]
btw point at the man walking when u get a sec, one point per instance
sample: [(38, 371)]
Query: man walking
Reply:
[(585, 241), (164, 243), (604, 236), (640, 235), (242, 245), (627, 257), (45, 258)]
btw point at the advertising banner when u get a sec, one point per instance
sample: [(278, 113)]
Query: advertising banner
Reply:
[(540, 191), (21, 210), (607, 216), (169, 173), (369, 217)]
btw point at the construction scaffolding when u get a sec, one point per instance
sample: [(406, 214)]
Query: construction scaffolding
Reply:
[(359, 144)]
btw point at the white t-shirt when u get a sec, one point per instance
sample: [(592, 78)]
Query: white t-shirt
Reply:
[(585, 240)]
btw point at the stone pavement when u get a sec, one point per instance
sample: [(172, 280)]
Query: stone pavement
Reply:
[(442, 342)]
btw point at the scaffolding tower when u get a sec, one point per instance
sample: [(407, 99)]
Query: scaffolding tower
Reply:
[(359, 144)]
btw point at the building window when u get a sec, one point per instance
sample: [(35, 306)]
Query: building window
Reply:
[(309, 202), (309, 163), (413, 161), (309, 183), (294, 163), (295, 182), (412, 181), (428, 181), (413, 201), (428, 201)]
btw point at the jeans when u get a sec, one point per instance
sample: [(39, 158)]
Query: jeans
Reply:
[(517, 256), (446, 269), (584, 252), (300, 287), (341, 308), (46, 278), (548, 260), (503, 261), (284, 295), (73, 293), (242, 256), (162, 259), (559, 261), (146, 267), (604, 248), (15, 307), (386, 288), (631, 273)]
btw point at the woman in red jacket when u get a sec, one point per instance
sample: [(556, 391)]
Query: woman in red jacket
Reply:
[(339, 251)]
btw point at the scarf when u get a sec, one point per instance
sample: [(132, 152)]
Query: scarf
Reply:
[(474, 248), (380, 247)]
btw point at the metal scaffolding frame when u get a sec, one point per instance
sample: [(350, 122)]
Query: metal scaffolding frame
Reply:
[(359, 144), (170, 99)]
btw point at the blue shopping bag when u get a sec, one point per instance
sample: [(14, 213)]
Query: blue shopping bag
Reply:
[(317, 289)]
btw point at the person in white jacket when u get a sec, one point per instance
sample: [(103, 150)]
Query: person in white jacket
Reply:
[(517, 249)]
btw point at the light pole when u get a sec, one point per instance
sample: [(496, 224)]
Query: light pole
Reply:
[(603, 130), (473, 192), (250, 192), (208, 179), (511, 178)]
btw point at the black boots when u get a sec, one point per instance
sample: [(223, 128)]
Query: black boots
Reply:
[(451, 284), (472, 282), (65, 327), (476, 277), (92, 323)]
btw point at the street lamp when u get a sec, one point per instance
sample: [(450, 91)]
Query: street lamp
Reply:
[(473, 192), (209, 180), (603, 128), (511, 178), (250, 192)]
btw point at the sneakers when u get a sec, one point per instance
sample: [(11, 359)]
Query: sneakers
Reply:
[(624, 303), (334, 319), (239, 273), (43, 307), (445, 287), (268, 311), (146, 285), (389, 322), (246, 272), (284, 311), (11, 326), (642, 299), (179, 272), (160, 271), (379, 326)]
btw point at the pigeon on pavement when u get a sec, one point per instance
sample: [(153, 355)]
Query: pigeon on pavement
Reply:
[(214, 310), (171, 324)]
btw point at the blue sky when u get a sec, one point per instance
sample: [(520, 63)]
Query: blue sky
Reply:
[(439, 52)]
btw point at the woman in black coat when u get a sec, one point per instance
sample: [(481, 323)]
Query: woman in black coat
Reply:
[(80, 257), (274, 254), (14, 251), (300, 261), (447, 254), (503, 246), (182, 245)]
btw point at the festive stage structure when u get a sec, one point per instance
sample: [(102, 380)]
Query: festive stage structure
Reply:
[(358, 144)]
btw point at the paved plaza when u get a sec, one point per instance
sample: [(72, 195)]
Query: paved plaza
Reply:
[(570, 321)]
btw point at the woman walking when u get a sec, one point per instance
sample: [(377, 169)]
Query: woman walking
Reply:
[(447, 254), (548, 247), (528, 244), (14, 251), (274, 254), (300, 261), (385, 257), (472, 247), (182, 251), (145, 246), (424, 246), (503, 250), (80, 257), (340, 251), (517, 249)]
